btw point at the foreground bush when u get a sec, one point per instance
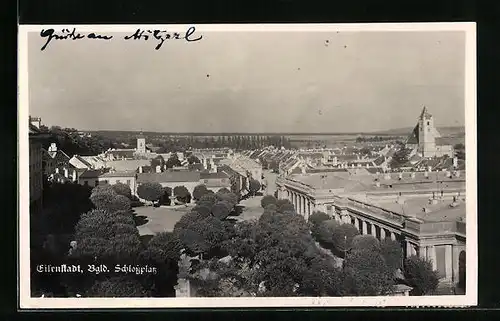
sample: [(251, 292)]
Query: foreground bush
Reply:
[(267, 200), (420, 275), (317, 217), (365, 243), (392, 252), (366, 274)]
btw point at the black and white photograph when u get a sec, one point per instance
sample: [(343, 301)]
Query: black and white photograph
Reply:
[(257, 165)]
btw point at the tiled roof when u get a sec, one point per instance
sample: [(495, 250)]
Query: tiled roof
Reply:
[(118, 153), (213, 175), (413, 138), (79, 158), (127, 164), (379, 160), (168, 177), (91, 173), (119, 174), (442, 141), (326, 170)]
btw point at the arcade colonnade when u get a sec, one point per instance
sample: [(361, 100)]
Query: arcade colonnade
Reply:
[(443, 256)]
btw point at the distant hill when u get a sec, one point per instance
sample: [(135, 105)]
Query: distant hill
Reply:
[(444, 131)]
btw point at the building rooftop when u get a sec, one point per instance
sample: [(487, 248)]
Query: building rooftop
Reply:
[(440, 212), (127, 164), (169, 177), (217, 175), (361, 180), (119, 174)]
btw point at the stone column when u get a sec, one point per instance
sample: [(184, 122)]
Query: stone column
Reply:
[(423, 252), (356, 223), (382, 233), (431, 255), (299, 204), (364, 228), (456, 254), (448, 256), (308, 208), (393, 236), (374, 230)]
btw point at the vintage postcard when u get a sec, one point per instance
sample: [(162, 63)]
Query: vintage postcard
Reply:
[(266, 165)]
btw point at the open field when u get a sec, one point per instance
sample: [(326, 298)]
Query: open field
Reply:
[(152, 220)]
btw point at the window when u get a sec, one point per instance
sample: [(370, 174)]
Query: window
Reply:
[(128, 182), (428, 123), (86, 183)]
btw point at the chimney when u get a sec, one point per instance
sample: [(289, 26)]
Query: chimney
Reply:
[(36, 121), (455, 162), (57, 170), (74, 175), (53, 147), (66, 172), (140, 169)]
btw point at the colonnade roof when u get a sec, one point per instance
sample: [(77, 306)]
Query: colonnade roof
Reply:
[(366, 183), (439, 212)]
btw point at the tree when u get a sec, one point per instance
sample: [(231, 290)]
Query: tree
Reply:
[(122, 189), (123, 286), (209, 200), (163, 252), (188, 218), (284, 205), (103, 198), (228, 197), (119, 203), (317, 217), (223, 190), (157, 161), (392, 253), (267, 200), (203, 209), (193, 160), (221, 210), (253, 187), (173, 161), (203, 236), (322, 278), (343, 236), (323, 232), (366, 274), (365, 243), (150, 191), (199, 191), (165, 198), (182, 194), (420, 275)]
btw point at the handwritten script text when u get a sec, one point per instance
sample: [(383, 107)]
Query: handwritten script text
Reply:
[(159, 35)]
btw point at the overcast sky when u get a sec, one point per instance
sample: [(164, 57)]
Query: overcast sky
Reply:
[(258, 82)]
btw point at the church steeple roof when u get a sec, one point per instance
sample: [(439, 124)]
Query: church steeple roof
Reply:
[(425, 114), (141, 135)]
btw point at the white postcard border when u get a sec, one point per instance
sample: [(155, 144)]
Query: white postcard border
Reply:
[(469, 299)]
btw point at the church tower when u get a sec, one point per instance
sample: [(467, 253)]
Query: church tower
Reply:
[(427, 134), (141, 144)]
